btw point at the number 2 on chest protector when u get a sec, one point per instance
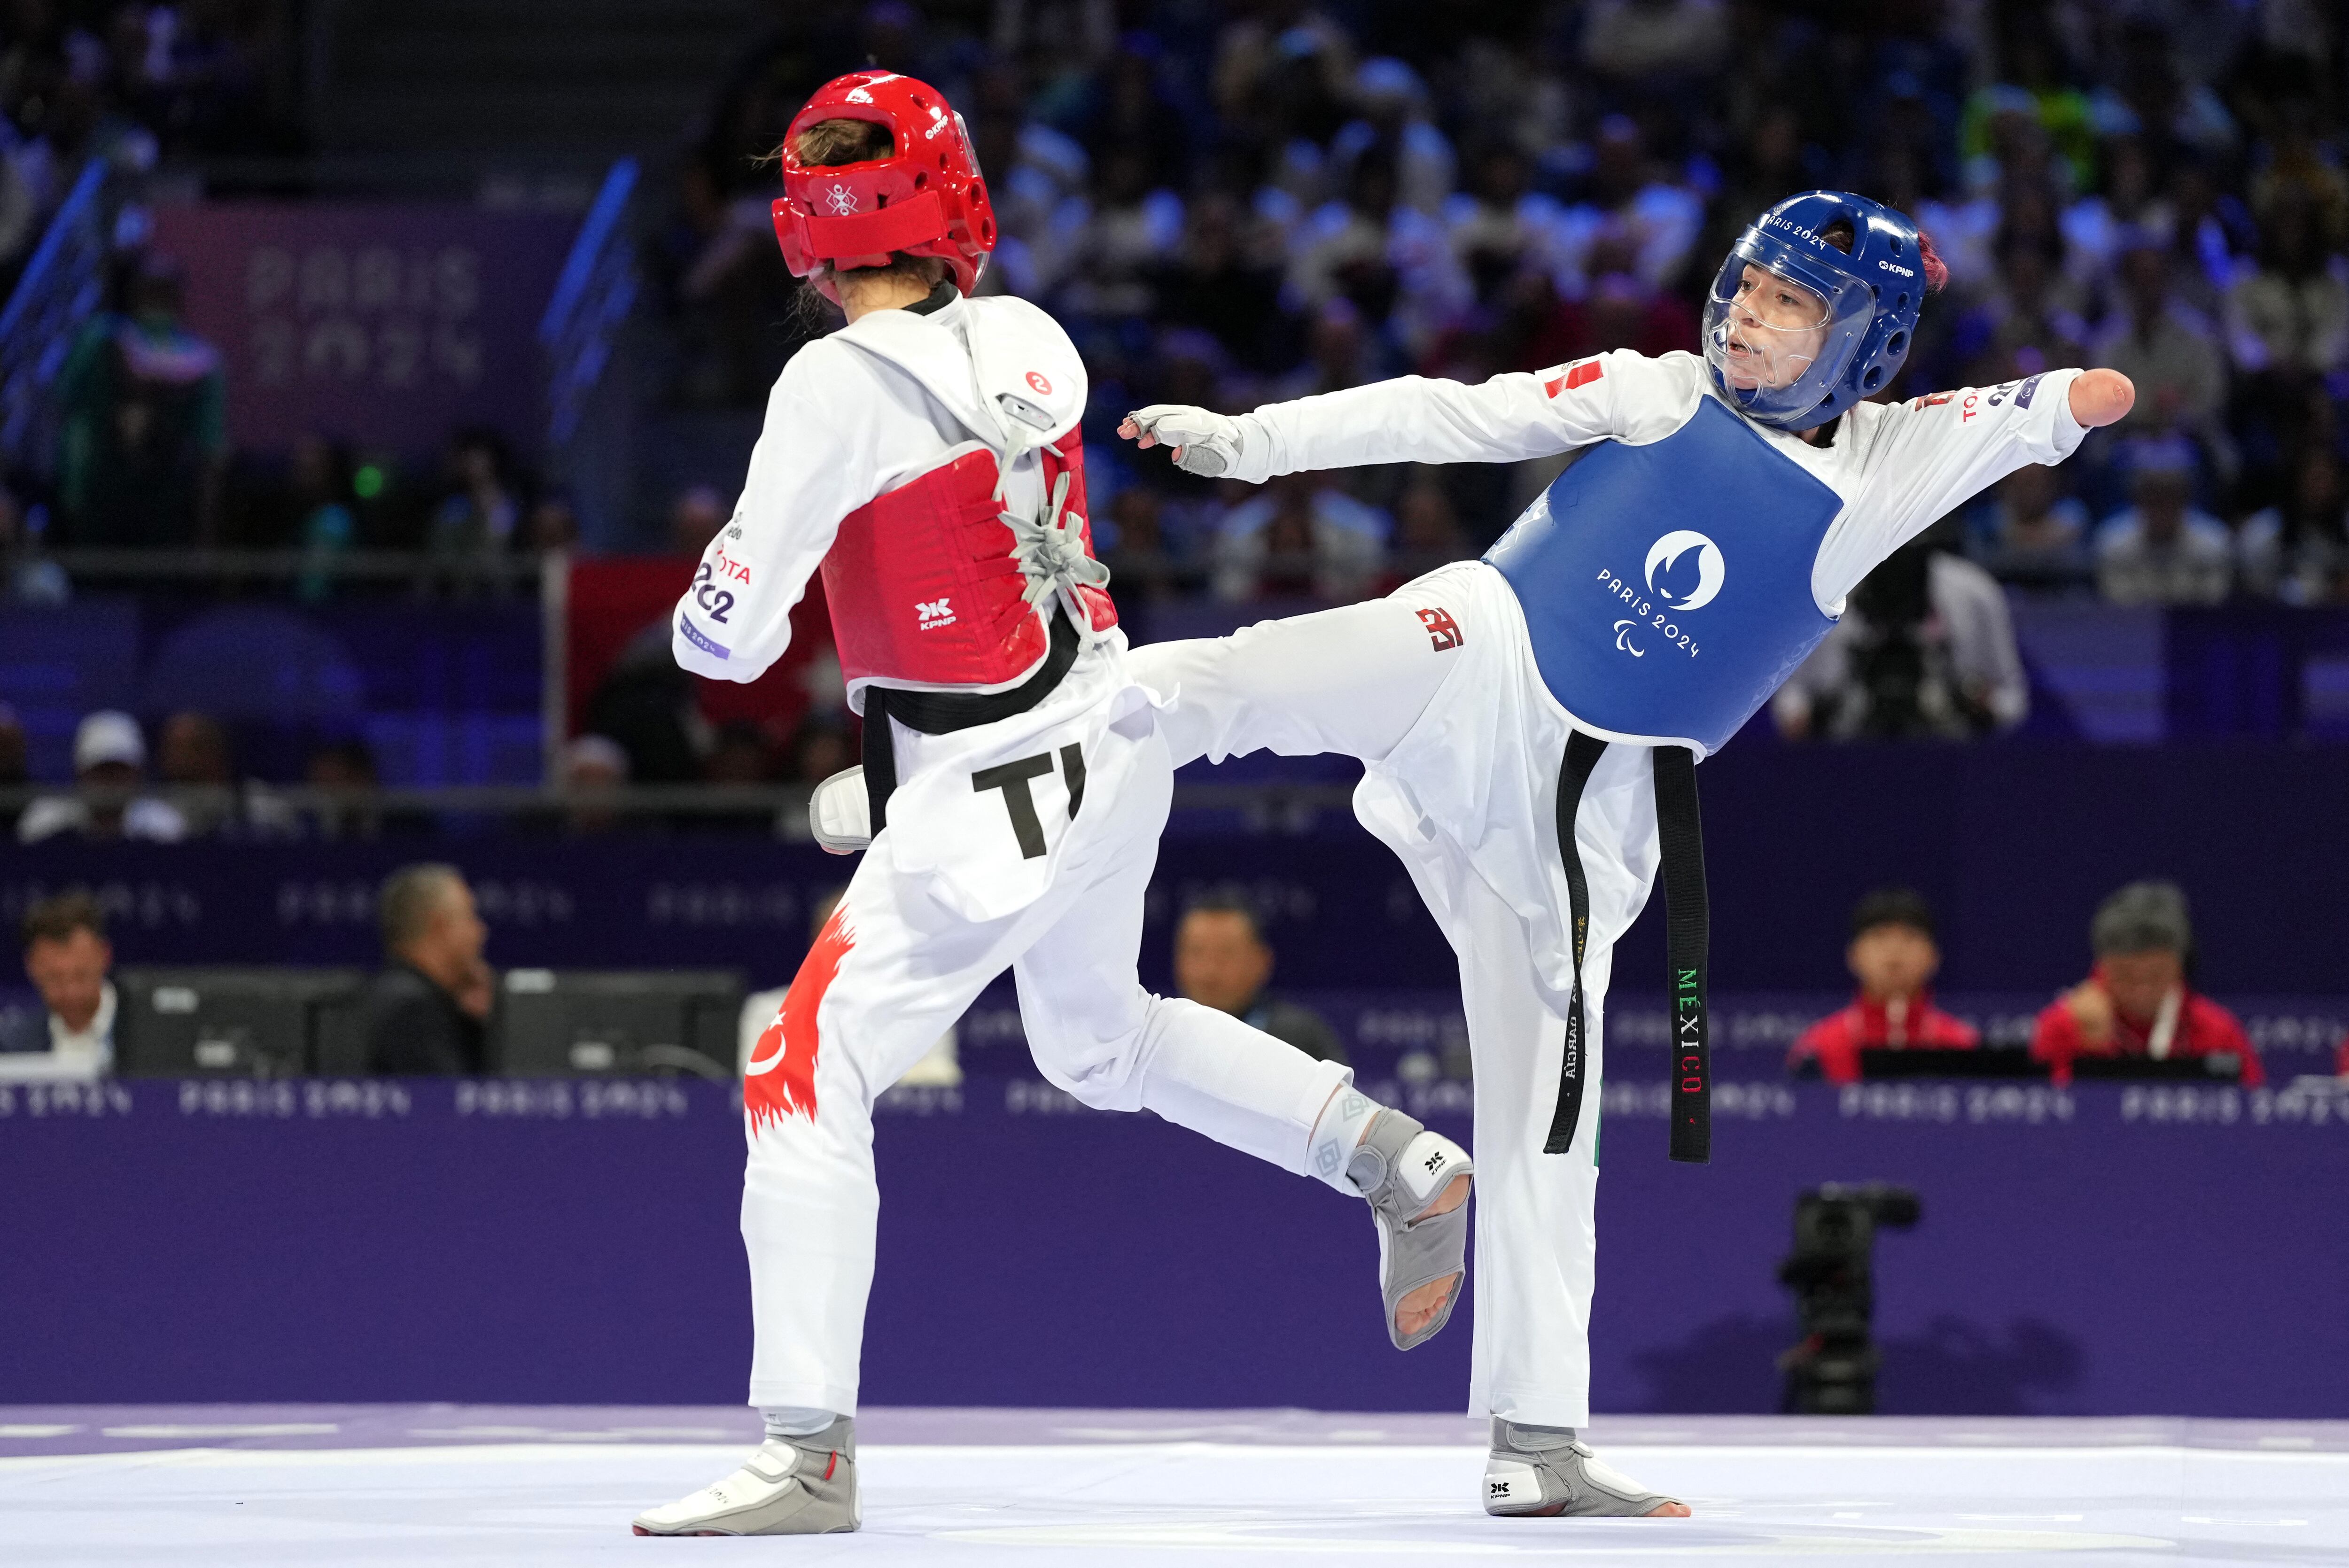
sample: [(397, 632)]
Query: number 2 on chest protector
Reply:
[(1012, 778), (715, 601)]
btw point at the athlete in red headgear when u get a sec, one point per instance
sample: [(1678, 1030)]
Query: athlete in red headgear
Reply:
[(926, 458), (922, 197)]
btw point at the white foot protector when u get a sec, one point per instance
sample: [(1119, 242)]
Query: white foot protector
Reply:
[(790, 1486), (840, 814)]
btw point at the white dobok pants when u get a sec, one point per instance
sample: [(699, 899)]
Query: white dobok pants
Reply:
[(1434, 689), (1012, 868)]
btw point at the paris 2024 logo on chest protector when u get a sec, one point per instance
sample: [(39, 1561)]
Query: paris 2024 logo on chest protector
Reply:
[(1669, 593), (1711, 569)]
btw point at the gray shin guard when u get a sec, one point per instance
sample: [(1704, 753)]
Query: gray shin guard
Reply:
[(1403, 1169), (790, 1486), (1546, 1472)]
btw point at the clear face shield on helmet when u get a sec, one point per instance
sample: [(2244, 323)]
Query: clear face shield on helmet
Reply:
[(970, 150), (1781, 329)]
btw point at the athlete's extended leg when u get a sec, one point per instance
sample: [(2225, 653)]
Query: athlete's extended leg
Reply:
[(1352, 681), (1097, 1033)]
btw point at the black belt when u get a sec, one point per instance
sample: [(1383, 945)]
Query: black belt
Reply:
[(1681, 833), (944, 712)]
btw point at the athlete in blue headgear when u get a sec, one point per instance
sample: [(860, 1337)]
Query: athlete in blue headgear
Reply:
[(1715, 511)]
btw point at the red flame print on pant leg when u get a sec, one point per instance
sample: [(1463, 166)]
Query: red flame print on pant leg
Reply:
[(779, 1078)]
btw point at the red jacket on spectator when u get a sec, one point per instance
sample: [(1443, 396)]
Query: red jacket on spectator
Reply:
[(2204, 1028), (1837, 1039)]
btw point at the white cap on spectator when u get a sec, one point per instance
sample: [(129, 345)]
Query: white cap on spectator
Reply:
[(597, 751), (109, 736)]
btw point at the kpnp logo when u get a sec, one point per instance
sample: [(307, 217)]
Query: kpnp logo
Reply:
[(934, 613), (841, 199), (1711, 570)]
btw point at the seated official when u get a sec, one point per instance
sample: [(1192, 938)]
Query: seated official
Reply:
[(2138, 1002), (1222, 961), (424, 1011), (67, 958), (1894, 957)]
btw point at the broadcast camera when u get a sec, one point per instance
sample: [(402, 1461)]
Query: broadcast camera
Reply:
[(1833, 1371)]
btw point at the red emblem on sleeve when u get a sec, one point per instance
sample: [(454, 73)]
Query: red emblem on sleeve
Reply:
[(1581, 374)]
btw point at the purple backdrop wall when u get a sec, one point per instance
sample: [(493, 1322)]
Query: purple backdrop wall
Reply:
[(2105, 1260), (2107, 1251), (2013, 844)]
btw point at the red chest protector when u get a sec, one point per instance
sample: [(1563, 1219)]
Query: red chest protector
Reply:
[(922, 586)]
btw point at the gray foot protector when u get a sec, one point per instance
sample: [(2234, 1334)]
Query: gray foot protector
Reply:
[(1402, 1169), (1544, 1474), (790, 1486)]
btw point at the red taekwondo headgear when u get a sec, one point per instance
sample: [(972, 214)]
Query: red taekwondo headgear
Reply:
[(923, 198)]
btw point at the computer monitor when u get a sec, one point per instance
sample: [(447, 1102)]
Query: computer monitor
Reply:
[(1982, 1062), (338, 1041), (223, 1022), (556, 1023), (2216, 1068)]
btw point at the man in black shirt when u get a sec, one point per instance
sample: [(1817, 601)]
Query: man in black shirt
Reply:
[(425, 1009), (1222, 961)]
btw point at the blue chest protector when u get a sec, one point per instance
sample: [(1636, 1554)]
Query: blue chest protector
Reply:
[(1668, 587)]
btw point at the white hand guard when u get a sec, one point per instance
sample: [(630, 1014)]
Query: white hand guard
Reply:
[(1209, 444)]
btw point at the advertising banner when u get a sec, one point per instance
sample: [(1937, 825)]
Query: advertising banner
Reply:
[(2111, 1250), (387, 324)]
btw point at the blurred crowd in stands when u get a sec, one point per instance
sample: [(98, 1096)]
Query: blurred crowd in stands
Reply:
[(1232, 203), (193, 787), (142, 456), (135, 83), (1228, 202)]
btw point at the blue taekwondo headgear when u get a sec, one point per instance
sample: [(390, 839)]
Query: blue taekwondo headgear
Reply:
[(1869, 299)]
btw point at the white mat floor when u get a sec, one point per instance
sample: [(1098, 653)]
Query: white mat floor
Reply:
[(524, 1504)]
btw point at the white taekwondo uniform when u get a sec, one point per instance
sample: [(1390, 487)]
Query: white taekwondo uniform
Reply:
[(1448, 691), (1037, 863)]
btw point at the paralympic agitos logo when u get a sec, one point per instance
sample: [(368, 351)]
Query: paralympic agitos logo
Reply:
[(1656, 611)]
